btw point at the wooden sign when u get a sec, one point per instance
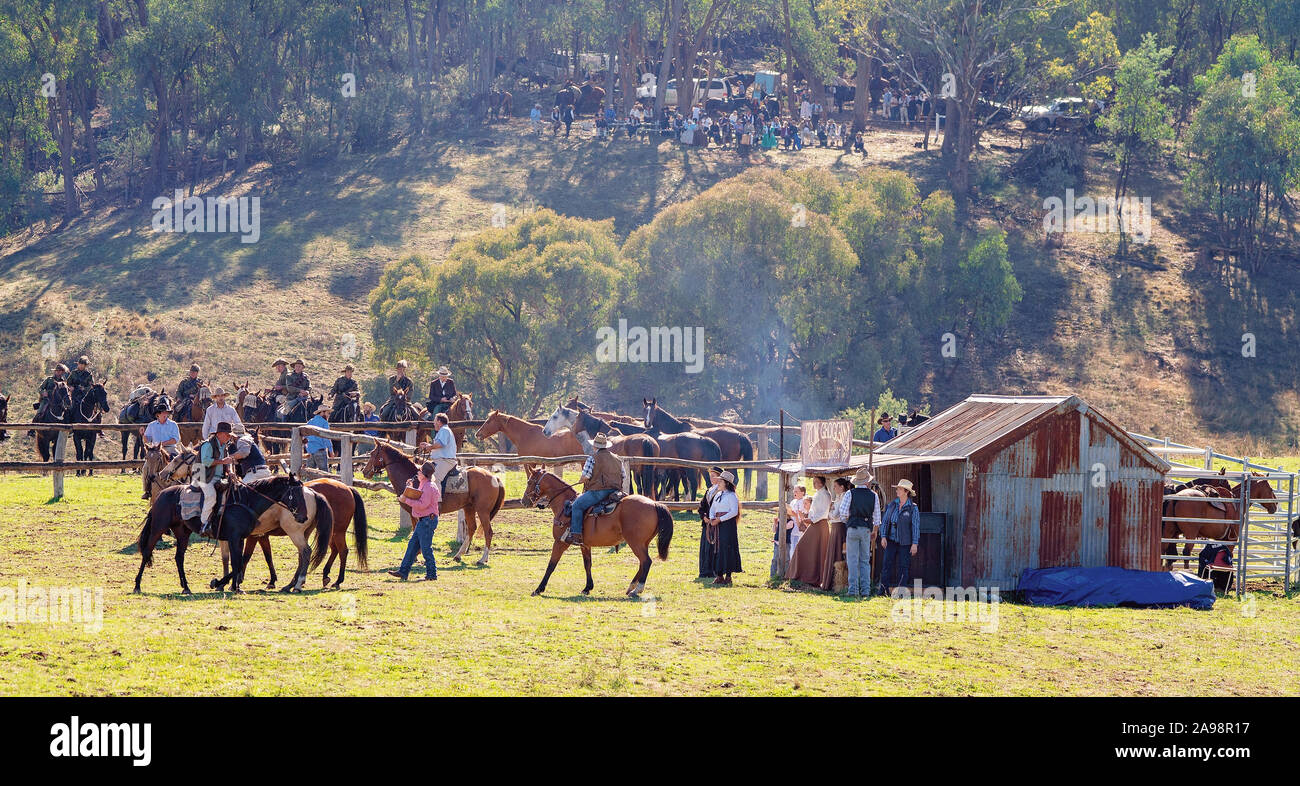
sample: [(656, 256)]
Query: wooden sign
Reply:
[(826, 443)]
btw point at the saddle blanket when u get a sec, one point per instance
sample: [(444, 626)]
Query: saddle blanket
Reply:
[(456, 482), (599, 509), (191, 502)]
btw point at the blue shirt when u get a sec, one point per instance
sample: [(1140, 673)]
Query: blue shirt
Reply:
[(207, 455), (156, 432), (448, 442), (889, 521), (885, 434), (372, 418), (316, 444)]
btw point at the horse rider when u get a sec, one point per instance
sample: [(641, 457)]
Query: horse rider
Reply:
[(211, 468), (399, 383), (189, 387), (281, 367), (294, 385), (163, 432), (249, 460), (217, 412), (344, 390), (441, 391), (602, 475), (81, 380), (442, 449), (47, 387)]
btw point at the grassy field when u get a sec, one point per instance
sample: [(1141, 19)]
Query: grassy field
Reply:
[(477, 631)]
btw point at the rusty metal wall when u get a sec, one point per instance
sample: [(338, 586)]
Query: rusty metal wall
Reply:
[(946, 496), (1065, 494)]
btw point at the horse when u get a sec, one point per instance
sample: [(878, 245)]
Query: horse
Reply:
[(162, 471), (733, 445), (635, 519), (4, 415), (90, 409), (500, 103), (345, 506), (139, 410), (403, 410), (585, 425), (299, 411), (482, 501), (1202, 502), (461, 408), (59, 410), (318, 515), (529, 438), (691, 447), (165, 514), (574, 403), (738, 447), (261, 409)]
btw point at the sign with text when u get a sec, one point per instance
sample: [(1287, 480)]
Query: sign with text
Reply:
[(826, 443)]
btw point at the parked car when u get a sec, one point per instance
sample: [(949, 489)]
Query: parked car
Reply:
[(1065, 113), (718, 90)]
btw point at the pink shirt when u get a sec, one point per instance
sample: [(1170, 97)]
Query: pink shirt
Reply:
[(427, 504)]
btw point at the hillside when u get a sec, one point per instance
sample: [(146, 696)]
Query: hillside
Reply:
[(1156, 346)]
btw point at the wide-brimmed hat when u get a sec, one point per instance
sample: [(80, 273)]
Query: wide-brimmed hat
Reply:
[(883, 418), (862, 477), (298, 362), (349, 367), (401, 364), (162, 408), (61, 367), (727, 476), (600, 441), (368, 405), (225, 428), (194, 367), (443, 371), (83, 361), (279, 362), (219, 392), (239, 429), (904, 484), (322, 408)]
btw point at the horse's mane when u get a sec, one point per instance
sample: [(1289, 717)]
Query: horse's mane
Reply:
[(275, 483)]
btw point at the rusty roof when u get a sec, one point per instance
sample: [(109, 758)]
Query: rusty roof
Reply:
[(980, 421)]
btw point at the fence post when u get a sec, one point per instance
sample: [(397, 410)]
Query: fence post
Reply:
[(411, 436), (760, 482), (1209, 457), (345, 460), (406, 522), (295, 451), (60, 448), (1243, 550)]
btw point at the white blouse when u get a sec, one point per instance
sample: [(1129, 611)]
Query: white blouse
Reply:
[(821, 506), (725, 506)]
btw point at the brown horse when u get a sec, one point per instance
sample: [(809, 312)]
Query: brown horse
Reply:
[(584, 425), (316, 515), (1210, 498), (191, 411), (482, 501), (574, 403), (461, 408), (346, 506), (162, 471), (528, 438), (636, 520)]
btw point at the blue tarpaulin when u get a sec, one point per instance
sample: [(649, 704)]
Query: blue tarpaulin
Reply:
[(1114, 587)]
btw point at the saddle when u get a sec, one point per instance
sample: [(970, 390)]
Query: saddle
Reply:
[(599, 509), (456, 482)]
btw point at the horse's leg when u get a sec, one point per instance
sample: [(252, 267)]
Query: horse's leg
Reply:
[(487, 534), (266, 552), (304, 556), (470, 526), (154, 536), (225, 558), (642, 552), (556, 551), (586, 564), (182, 534)]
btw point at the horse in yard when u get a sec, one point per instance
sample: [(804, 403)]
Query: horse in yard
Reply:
[(190, 410), (575, 403), (139, 410), (635, 519), (59, 410), (584, 426), (346, 506), (732, 444), (162, 471), (89, 408), (482, 502), (254, 407), (247, 509), (529, 439), (1211, 498)]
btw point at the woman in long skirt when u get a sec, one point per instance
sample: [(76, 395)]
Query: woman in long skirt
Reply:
[(708, 535), (724, 515)]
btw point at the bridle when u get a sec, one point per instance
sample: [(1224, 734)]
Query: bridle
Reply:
[(239, 483), (533, 490)]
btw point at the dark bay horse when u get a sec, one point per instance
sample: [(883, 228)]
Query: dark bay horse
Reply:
[(165, 515), (89, 409), (482, 502), (636, 520), (584, 425), (141, 411), (732, 444), (59, 410)]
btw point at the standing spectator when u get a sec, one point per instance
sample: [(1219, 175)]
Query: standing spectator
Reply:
[(368, 415), (899, 535), (555, 120), (724, 515), (860, 509), (708, 535), (886, 101), (568, 116), (535, 119), (217, 412), (421, 497), (886, 431), (319, 449)]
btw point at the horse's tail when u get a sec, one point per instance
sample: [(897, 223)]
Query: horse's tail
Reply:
[(359, 532), (747, 454), (142, 542), (324, 525), (665, 528)]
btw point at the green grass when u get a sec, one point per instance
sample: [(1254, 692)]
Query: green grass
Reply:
[(477, 630)]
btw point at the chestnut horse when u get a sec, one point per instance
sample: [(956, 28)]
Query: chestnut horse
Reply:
[(584, 426), (528, 438), (636, 520), (346, 505), (483, 500), (1210, 498)]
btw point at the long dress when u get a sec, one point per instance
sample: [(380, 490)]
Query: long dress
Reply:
[(809, 553), (727, 559), (708, 551)]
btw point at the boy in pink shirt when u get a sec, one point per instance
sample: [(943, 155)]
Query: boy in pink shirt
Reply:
[(424, 510)]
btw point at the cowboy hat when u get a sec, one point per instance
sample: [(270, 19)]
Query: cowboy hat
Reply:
[(600, 441), (279, 362), (162, 408), (349, 367), (298, 362), (862, 477), (219, 392), (727, 476), (239, 429), (83, 361), (61, 367), (322, 408), (225, 428), (883, 418), (443, 371), (401, 364), (195, 367), (904, 484)]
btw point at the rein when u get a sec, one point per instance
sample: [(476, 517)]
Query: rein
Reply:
[(549, 498)]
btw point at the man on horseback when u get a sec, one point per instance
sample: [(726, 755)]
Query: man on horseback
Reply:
[(345, 393), (189, 388), (249, 461), (81, 380), (442, 450), (47, 387), (441, 391), (602, 475), (398, 384), (213, 461)]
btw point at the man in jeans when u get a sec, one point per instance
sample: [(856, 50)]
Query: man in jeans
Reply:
[(424, 510), (860, 509), (319, 449)]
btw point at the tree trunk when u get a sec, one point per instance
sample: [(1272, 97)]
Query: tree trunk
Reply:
[(861, 92), (670, 47)]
